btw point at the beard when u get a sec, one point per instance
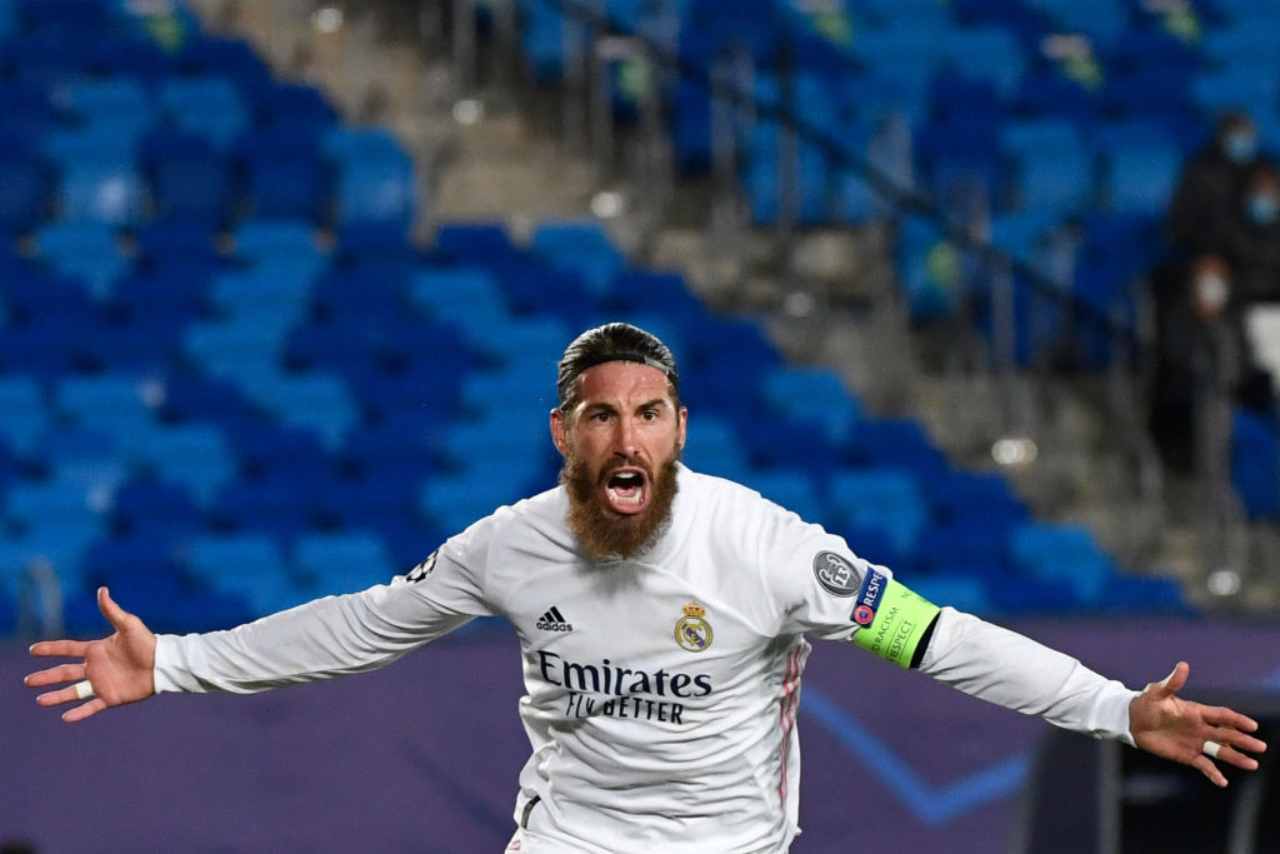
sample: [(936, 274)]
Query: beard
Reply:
[(604, 534)]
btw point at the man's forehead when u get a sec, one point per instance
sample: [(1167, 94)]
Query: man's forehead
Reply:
[(621, 380)]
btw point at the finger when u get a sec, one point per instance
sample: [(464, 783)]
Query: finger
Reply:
[(1224, 717), (1239, 740), (62, 695), (1234, 757), (1206, 767), (65, 648), (115, 615), (1172, 683), (54, 675), (85, 710)]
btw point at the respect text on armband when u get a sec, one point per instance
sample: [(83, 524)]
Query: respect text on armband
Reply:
[(608, 689)]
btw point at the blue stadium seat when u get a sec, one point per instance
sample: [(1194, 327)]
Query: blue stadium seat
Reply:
[(190, 180), (34, 505), (298, 107), (969, 546), (959, 496), (194, 456), (812, 394), (25, 191), (1141, 179), (319, 403), (29, 112), (712, 447), (900, 443), (50, 54), (453, 502), (1255, 464), (160, 510), (68, 443), (524, 390), (278, 290), (343, 563), (655, 292), (286, 179), (1249, 88), (963, 592), (135, 55), (113, 403), (990, 54), (346, 145), (87, 250), (533, 339), (276, 241), (250, 564), (60, 545), (105, 192), (473, 242), (405, 445), (209, 107), (583, 247), (1101, 18), (885, 499), (794, 490), (469, 296), (183, 245), (376, 192), (1022, 233), (92, 16), (110, 102), (226, 57), (1062, 553)]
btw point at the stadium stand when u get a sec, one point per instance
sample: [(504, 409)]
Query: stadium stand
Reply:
[(224, 427)]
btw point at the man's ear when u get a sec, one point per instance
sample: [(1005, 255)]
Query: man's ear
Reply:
[(558, 428), (682, 430)]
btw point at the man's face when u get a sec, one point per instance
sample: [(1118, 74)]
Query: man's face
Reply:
[(620, 443)]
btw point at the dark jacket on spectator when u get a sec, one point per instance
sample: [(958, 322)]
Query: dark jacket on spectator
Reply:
[(1208, 201)]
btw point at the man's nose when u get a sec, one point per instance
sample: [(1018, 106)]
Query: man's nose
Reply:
[(624, 438)]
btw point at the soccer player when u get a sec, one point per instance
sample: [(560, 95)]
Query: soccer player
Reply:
[(662, 616)]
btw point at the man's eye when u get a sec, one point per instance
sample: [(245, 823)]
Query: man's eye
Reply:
[(600, 416), (649, 415)]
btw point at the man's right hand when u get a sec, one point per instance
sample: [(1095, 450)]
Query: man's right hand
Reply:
[(120, 667)]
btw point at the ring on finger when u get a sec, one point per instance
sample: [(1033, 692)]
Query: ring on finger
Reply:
[(84, 689), (1211, 748)]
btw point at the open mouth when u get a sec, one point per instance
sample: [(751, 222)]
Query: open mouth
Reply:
[(627, 490)]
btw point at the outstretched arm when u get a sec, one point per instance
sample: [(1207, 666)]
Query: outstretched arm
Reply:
[(118, 669), (1004, 667), (327, 637)]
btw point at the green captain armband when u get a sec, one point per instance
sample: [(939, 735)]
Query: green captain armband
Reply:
[(891, 619)]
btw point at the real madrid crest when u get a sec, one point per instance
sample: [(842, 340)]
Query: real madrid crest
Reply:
[(693, 632)]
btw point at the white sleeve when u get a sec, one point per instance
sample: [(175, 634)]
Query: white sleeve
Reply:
[(335, 635), (1011, 670)]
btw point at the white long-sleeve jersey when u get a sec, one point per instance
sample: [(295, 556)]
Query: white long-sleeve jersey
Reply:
[(660, 692)]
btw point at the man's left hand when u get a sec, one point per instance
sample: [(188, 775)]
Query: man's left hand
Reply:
[(1170, 727)]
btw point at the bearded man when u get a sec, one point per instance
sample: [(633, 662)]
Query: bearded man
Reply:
[(662, 616)]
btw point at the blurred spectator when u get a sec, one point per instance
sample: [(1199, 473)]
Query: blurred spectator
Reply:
[(1253, 246), (1204, 361), (1210, 190)]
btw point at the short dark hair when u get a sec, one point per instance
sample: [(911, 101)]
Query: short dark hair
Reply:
[(612, 342)]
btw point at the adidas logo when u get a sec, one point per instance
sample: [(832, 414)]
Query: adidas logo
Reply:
[(553, 621)]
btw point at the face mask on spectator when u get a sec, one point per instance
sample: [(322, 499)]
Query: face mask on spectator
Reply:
[(1241, 146), (1211, 291), (1263, 208)]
